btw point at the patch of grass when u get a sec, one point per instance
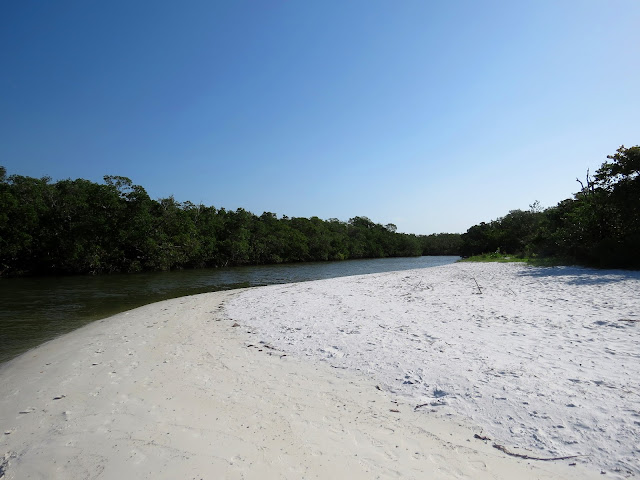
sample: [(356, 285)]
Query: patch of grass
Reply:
[(494, 257), (507, 258)]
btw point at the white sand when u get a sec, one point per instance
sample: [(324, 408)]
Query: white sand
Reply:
[(544, 359), (173, 390)]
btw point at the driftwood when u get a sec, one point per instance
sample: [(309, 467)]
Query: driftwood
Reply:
[(504, 449)]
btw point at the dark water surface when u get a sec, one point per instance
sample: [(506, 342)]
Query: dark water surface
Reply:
[(34, 310)]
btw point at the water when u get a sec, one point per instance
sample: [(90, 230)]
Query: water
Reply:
[(34, 310)]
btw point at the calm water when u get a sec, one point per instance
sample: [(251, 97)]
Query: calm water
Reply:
[(34, 310)]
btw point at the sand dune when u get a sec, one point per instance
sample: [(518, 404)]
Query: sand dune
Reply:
[(175, 390)]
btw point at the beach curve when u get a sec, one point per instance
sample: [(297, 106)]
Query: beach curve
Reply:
[(182, 389)]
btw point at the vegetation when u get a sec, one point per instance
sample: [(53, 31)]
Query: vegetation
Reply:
[(497, 257), (77, 226), (599, 226)]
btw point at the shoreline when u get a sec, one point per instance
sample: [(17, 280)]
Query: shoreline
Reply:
[(174, 390), (50, 307)]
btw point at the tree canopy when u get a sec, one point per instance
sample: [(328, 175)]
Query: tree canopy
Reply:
[(599, 226), (77, 226)]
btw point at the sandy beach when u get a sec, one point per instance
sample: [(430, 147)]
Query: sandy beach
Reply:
[(540, 358), (379, 376)]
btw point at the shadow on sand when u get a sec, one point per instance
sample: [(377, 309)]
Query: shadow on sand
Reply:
[(581, 275)]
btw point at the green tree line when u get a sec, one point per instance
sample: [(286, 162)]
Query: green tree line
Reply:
[(79, 226), (599, 226)]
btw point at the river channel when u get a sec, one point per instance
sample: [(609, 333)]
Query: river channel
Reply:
[(34, 310)]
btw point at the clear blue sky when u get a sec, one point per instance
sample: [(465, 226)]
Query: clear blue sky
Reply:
[(432, 115)]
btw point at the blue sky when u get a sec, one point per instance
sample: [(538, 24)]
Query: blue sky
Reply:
[(434, 116)]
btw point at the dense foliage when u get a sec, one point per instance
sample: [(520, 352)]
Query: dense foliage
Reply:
[(77, 226), (599, 226)]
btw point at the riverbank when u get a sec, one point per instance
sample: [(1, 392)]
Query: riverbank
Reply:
[(179, 389), (34, 310)]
